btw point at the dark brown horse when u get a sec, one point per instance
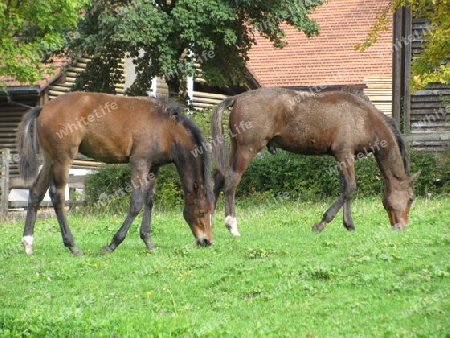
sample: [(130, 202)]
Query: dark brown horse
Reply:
[(338, 123), (144, 132)]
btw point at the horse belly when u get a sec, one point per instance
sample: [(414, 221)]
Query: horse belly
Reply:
[(295, 138), (303, 147), (105, 150)]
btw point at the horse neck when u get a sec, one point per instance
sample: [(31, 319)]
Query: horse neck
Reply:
[(390, 159), (191, 170)]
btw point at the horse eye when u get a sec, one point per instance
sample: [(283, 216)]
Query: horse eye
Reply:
[(201, 213)]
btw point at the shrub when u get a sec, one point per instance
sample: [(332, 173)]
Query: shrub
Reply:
[(307, 177), (317, 177), (428, 164)]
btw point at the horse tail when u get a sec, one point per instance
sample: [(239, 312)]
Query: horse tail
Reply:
[(26, 145), (218, 140)]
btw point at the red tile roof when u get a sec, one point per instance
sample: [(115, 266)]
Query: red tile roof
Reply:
[(52, 70), (330, 58)]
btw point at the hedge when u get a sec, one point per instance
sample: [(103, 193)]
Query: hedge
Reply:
[(308, 177)]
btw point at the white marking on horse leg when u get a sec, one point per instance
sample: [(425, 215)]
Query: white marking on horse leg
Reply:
[(231, 225), (27, 242)]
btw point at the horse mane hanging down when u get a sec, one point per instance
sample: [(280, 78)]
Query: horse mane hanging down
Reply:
[(145, 132), (340, 123)]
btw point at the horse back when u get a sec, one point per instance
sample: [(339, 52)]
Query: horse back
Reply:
[(105, 127), (304, 122)]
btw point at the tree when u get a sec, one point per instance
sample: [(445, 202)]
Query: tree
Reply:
[(167, 37), (31, 31), (433, 64)]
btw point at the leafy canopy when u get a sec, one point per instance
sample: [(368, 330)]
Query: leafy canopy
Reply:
[(31, 31), (433, 63), (167, 38)]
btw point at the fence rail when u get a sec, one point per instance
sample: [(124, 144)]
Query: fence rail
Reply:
[(7, 183), (4, 164)]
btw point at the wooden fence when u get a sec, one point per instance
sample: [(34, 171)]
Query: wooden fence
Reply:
[(8, 182), (4, 180), (430, 119)]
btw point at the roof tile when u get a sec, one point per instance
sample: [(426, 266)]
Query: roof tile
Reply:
[(330, 58)]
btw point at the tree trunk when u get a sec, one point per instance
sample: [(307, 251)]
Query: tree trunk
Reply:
[(174, 86), (177, 89)]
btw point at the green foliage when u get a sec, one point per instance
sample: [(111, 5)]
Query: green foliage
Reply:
[(283, 175), (432, 65), (167, 38), (203, 120), (33, 31), (108, 189), (317, 176), (105, 79), (286, 172)]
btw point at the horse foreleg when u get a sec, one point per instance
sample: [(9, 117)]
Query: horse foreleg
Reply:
[(136, 203), (140, 184), (36, 195), (57, 195), (347, 186), (329, 215), (149, 198)]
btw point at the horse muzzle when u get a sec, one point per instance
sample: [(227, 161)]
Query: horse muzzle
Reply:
[(203, 240), (398, 219)]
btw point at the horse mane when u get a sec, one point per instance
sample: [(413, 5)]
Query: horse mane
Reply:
[(390, 122), (174, 110)]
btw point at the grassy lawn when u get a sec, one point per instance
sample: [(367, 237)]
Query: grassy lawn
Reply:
[(278, 280)]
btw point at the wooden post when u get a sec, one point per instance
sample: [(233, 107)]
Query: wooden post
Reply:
[(397, 66), (5, 155), (407, 16), (401, 67)]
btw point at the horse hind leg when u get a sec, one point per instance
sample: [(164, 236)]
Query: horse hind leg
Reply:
[(36, 195), (219, 183), (240, 159), (57, 195)]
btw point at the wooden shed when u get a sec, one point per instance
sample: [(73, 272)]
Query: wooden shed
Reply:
[(425, 114)]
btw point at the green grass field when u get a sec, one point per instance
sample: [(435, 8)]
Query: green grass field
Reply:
[(278, 280)]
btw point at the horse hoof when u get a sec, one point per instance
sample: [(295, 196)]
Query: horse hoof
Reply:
[(231, 225), (151, 247), (106, 249), (350, 227), (27, 242), (318, 227), (76, 251), (234, 232)]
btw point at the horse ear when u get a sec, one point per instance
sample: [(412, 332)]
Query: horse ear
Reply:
[(414, 177)]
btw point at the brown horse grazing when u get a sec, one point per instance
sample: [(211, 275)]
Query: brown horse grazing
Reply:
[(338, 123), (144, 132)]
